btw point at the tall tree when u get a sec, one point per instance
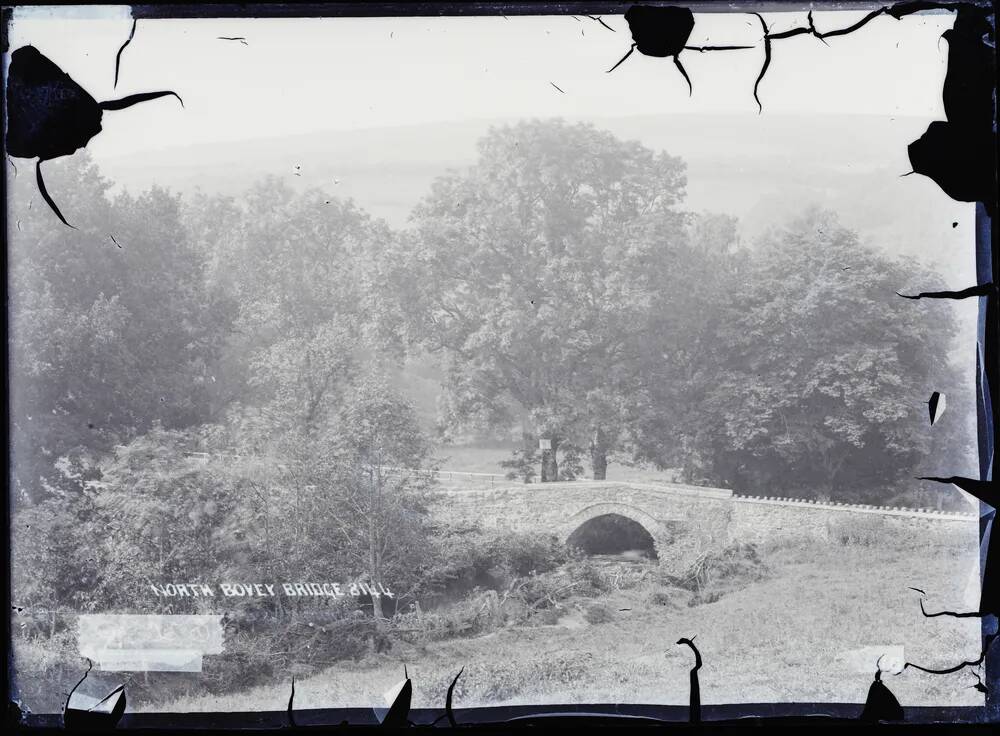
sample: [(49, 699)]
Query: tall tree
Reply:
[(302, 269), (112, 326), (538, 274), (817, 379), (358, 494)]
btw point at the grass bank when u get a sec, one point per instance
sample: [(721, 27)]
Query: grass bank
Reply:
[(809, 630)]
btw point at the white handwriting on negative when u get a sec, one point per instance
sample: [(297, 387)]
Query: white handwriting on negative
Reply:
[(265, 590)]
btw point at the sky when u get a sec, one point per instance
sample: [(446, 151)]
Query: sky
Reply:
[(313, 75), (306, 75)]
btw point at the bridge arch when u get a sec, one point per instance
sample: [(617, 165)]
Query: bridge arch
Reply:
[(651, 524)]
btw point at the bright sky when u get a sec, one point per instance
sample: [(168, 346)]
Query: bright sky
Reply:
[(307, 75)]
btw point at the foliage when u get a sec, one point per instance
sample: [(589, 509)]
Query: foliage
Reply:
[(473, 558), (813, 376), (304, 272), (662, 598), (539, 274), (257, 649), (106, 339), (210, 401), (166, 516), (715, 573), (54, 561), (47, 667), (499, 679), (475, 614), (522, 464), (598, 613)]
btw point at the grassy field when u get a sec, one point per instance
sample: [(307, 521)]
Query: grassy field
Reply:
[(811, 630)]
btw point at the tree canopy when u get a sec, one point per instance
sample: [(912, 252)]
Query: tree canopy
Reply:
[(816, 378), (112, 326), (559, 282), (541, 275)]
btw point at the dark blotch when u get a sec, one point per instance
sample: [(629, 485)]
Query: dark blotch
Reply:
[(958, 154), (659, 31), (48, 114), (881, 704)]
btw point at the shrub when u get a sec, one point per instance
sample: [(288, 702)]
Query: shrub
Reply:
[(627, 578), (259, 649), (661, 598), (47, 667), (521, 465), (468, 617), (598, 613), (728, 569), (548, 616), (475, 558), (587, 578), (704, 596), (525, 553)]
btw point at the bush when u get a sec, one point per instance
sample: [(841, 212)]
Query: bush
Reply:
[(661, 598), (473, 558), (587, 578), (525, 553), (729, 569), (261, 649), (598, 613), (704, 596), (47, 667), (547, 616), (469, 617)]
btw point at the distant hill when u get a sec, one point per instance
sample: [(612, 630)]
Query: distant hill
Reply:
[(762, 168)]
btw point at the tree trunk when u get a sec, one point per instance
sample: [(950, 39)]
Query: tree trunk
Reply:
[(374, 578), (599, 454), (550, 464), (530, 445), (377, 606)]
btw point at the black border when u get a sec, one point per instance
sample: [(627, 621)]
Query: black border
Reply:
[(718, 717)]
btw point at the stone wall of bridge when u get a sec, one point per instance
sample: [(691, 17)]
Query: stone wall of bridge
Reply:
[(761, 520), (685, 521)]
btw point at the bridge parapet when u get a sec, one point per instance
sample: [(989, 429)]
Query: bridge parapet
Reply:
[(686, 521), (756, 519), (683, 520)]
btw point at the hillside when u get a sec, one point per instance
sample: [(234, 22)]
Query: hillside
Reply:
[(761, 168)]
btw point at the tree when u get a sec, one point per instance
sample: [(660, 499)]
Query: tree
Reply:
[(817, 377), (164, 512), (360, 493), (302, 269), (112, 326), (677, 373), (539, 274), (383, 451)]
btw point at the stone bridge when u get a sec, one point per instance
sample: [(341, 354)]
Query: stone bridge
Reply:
[(683, 521), (686, 521)]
